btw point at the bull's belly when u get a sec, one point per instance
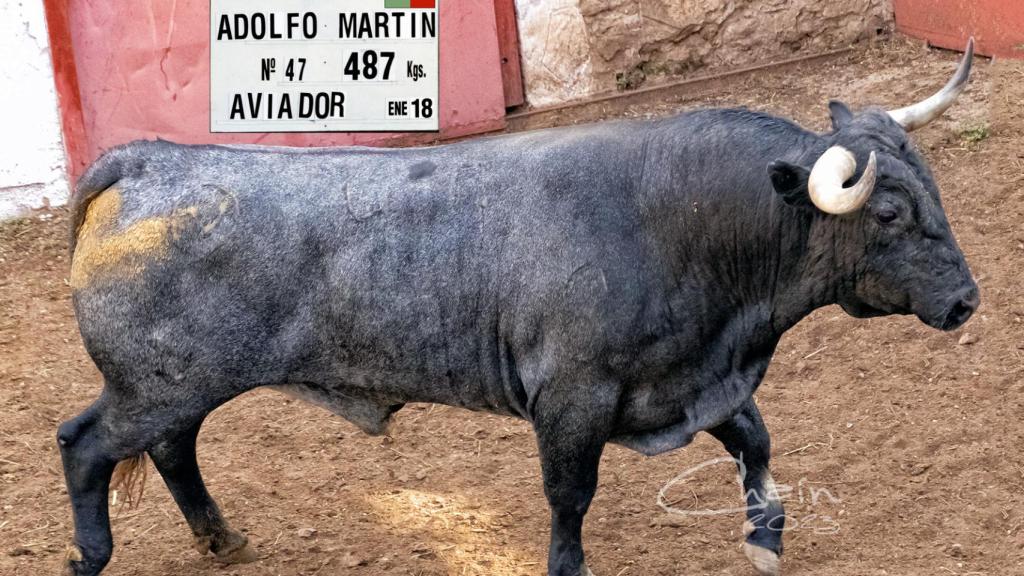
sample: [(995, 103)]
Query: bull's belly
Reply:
[(654, 442), (371, 415), (370, 401)]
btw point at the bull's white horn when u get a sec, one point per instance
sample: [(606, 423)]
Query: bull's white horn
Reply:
[(825, 184), (917, 115)]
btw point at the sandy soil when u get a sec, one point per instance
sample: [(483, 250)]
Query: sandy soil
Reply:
[(916, 435)]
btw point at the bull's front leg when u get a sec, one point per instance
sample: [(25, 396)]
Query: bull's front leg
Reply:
[(747, 440), (571, 429)]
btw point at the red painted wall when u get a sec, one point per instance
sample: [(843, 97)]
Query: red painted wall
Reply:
[(66, 80), (143, 71), (997, 25)]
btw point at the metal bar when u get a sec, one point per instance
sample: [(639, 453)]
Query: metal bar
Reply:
[(700, 80)]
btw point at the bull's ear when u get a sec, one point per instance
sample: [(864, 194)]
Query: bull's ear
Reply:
[(790, 182), (840, 113)]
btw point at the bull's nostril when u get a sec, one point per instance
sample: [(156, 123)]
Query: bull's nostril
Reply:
[(960, 313), (972, 299)]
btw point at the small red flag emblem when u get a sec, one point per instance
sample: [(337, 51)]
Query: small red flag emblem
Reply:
[(405, 4)]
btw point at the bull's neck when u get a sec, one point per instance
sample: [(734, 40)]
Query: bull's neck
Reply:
[(806, 276), (736, 241)]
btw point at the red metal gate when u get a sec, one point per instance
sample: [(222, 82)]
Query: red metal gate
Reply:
[(129, 70), (997, 25)]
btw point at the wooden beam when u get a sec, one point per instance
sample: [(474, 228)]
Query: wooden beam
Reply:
[(508, 48)]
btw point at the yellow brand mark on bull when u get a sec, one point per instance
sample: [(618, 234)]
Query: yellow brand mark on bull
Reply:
[(121, 253)]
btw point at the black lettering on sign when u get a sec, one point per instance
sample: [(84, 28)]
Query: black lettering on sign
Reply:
[(427, 27), (365, 25), (259, 26), (309, 27), (321, 105), (354, 25), (318, 105), (237, 112), (308, 24), (254, 104), (285, 112), (224, 29), (430, 25)]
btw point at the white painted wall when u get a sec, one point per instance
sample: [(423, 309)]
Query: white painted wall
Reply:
[(32, 167)]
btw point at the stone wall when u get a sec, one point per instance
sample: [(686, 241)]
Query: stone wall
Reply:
[(573, 48)]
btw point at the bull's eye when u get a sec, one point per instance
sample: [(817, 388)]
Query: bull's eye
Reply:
[(886, 215)]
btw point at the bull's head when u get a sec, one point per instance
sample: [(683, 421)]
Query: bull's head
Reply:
[(895, 250)]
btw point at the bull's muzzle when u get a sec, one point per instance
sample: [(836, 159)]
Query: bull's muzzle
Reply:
[(960, 309)]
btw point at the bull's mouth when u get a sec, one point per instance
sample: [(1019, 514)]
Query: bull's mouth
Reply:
[(955, 315), (862, 310)]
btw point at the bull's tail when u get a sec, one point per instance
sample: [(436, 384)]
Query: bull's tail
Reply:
[(129, 480), (110, 168)]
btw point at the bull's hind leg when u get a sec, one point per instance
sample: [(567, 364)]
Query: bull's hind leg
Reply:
[(175, 459), (111, 435), (747, 440), (123, 424), (89, 463)]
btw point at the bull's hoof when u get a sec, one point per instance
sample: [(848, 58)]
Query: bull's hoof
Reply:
[(71, 557), (585, 571), (202, 545), (73, 554), (764, 560), (243, 555), (235, 550), (76, 563), (748, 528)]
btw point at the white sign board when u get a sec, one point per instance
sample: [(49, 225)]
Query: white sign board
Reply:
[(324, 65)]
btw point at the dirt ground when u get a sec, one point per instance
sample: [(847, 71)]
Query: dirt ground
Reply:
[(902, 444)]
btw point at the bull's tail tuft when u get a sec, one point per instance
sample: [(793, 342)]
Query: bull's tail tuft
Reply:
[(129, 481)]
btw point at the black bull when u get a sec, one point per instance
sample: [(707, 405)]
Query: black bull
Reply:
[(623, 282)]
